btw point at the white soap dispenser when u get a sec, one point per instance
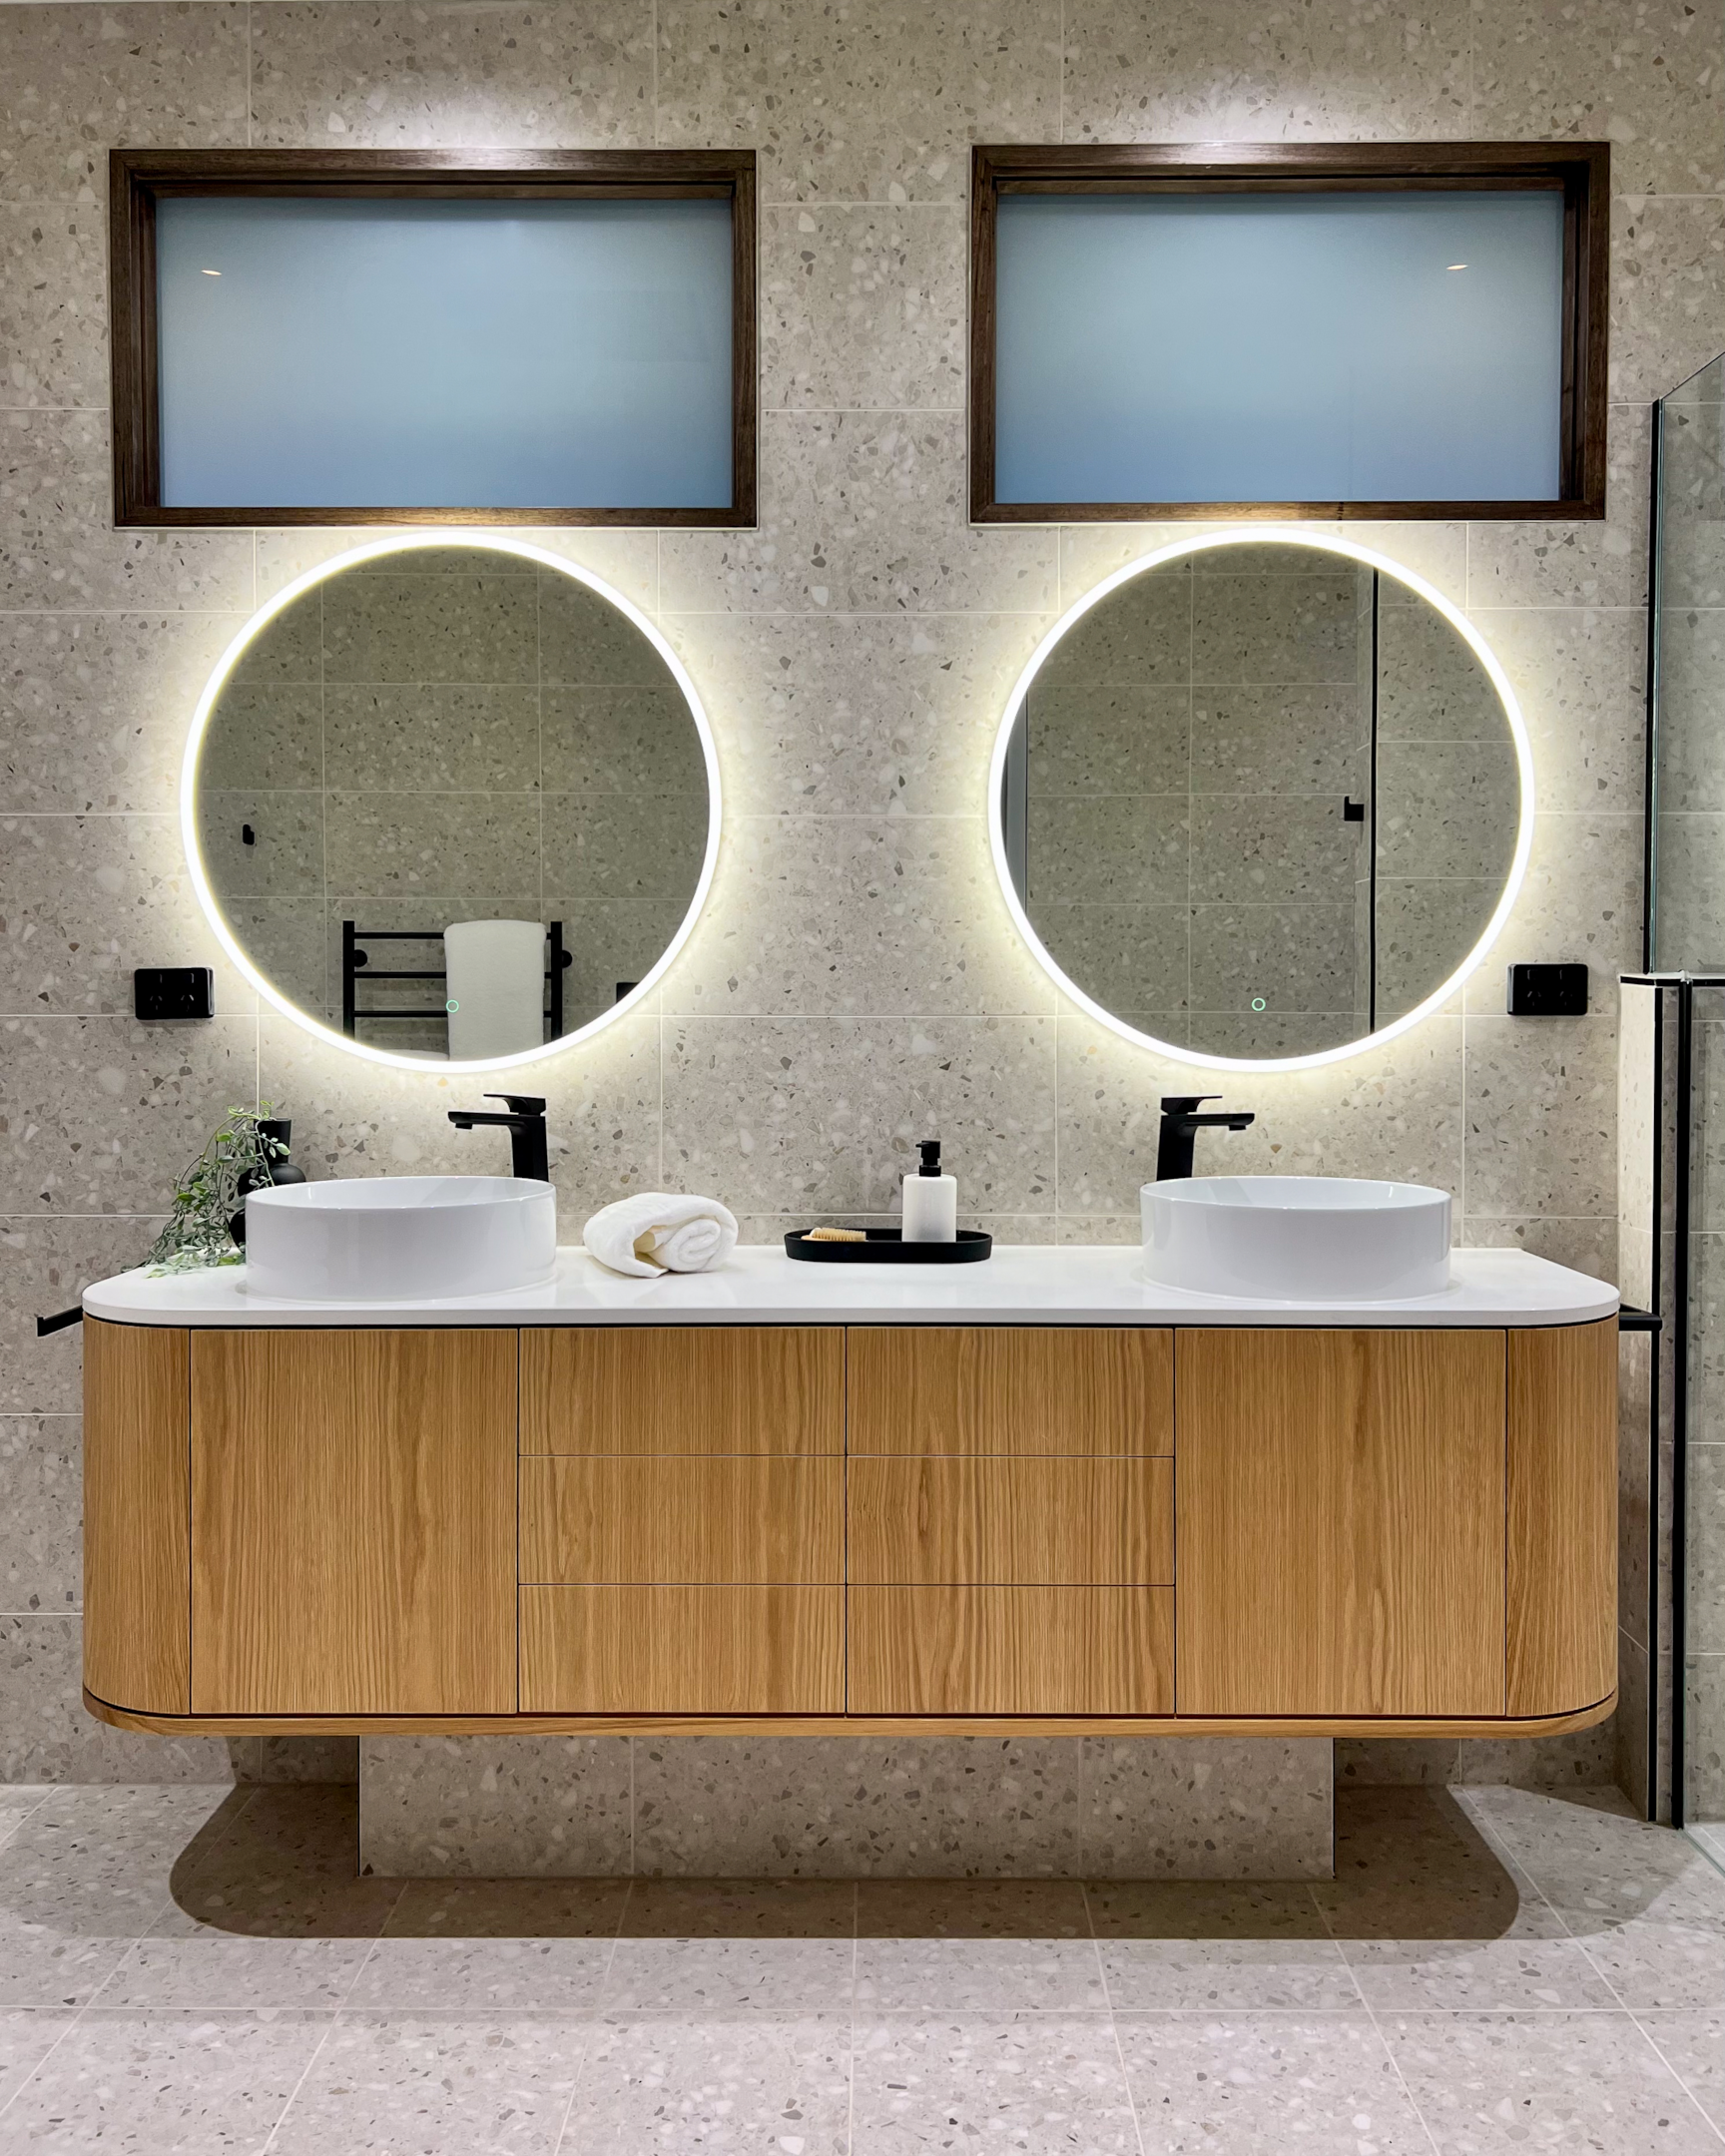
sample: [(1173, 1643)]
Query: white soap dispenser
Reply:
[(930, 1199)]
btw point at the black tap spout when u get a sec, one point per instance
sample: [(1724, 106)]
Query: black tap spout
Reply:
[(529, 1153), (1180, 1124)]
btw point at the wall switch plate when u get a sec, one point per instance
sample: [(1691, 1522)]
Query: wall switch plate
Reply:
[(173, 992), (1548, 991)]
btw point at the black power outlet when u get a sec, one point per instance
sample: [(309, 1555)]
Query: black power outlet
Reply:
[(173, 992), (1548, 991)]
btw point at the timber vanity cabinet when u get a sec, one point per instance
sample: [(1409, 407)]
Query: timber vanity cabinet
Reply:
[(1273, 1529)]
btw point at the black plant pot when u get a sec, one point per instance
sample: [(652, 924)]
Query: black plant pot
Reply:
[(276, 1174)]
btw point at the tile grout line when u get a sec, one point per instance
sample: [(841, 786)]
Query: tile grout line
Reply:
[(851, 2057), (335, 2021), (1371, 2011), (1113, 2018)]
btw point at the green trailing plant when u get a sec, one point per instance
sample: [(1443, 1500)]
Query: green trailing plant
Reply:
[(208, 1195)]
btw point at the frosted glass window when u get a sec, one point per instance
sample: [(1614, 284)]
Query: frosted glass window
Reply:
[(485, 354), (1400, 347)]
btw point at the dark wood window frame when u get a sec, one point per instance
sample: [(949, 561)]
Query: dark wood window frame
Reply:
[(139, 179), (1580, 170)]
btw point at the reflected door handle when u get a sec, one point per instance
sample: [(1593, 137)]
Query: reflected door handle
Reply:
[(1353, 812)]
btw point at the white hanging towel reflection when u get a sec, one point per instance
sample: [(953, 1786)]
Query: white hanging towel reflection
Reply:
[(495, 986)]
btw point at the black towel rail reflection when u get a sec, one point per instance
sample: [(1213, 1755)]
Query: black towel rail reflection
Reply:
[(356, 961)]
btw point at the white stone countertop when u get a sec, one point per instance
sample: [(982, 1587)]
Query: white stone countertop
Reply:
[(1021, 1284)]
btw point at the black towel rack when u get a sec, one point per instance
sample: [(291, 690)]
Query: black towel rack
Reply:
[(356, 961)]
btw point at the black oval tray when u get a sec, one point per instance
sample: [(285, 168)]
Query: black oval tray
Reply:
[(887, 1245)]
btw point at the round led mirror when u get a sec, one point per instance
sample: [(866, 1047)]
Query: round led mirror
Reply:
[(1260, 798), (452, 802)]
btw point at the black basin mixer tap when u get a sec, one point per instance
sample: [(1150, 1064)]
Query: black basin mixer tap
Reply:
[(1180, 1123), (529, 1155)]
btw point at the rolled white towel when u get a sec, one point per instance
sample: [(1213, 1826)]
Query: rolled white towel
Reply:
[(658, 1233)]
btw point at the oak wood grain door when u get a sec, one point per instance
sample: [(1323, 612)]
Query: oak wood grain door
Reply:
[(1340, 1526), (353, 1522), (1010, 1520), (682, 1538)]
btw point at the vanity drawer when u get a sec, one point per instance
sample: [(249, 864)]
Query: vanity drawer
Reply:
[(741, 1520), (1042, 1522), (1090, 1389), (683, 1388), (1011, 1650), (682, 1650)]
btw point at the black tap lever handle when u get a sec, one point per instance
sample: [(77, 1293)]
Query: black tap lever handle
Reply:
[(1186, 1103), (519, 1103)]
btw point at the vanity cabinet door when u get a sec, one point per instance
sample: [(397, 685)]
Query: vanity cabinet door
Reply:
[(1341, 1540), (353, 1522)]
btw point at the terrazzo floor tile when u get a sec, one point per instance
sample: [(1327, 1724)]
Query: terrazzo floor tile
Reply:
[(27, 2035), (964, 1944), (1247, 2082), (1429, 1914), (86, 1873), (209, 1970), (1693, 2046), (1037, 2084), (195, 2084), (1490, 2083), (526, 1945), (437, 2085), (285, 1867), (705, 1945), (667, 2084), (1219, 1947)]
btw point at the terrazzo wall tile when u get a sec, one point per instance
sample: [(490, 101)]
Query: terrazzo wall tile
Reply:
[(863, 512), (848, 1808), (859, 716), (863, 306), (505, 1806), (100, 1115), (878, 106), (855, 984), (788, 1113), (1541, 1116), (41, 1460), (151, 77), (1243, 73), (58, 548), (1602, 564), (1579, 674), (93, 706), (446, 76), (1231, 1808), (1651, 81), (53, 320), (47, 1736), (46, 1262), (1580, 899), (1668, 303), (85, 899), (855, 916)]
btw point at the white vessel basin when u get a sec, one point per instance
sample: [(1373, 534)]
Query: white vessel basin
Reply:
[(1305, 1239), (392, 1238)]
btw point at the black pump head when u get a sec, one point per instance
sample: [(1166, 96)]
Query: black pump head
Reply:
[(929, 1148)]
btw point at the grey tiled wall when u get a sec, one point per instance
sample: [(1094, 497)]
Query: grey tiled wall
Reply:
[(855, 981)]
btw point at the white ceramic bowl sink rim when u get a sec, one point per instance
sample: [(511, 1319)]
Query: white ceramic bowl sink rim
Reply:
[(1298, 1238), (400, 1238), (1297, 1193)]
